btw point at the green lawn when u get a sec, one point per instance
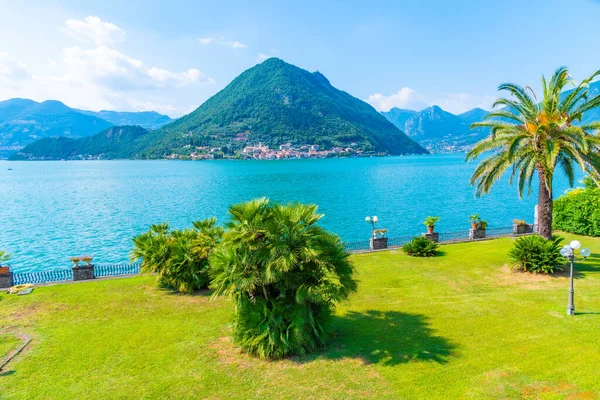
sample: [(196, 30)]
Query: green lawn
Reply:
[(460, 325), (8, 343)]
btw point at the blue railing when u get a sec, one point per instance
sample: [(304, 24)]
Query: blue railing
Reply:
[(116, 269), (56, 275), (59, 275)]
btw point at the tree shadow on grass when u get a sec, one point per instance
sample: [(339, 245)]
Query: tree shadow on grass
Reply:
[(197, 293), (590, 264), (387, 338)]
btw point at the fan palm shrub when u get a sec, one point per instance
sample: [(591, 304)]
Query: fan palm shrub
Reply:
[(531, 137), (284, 273), (179, 258), (536, 254), (420, 247)]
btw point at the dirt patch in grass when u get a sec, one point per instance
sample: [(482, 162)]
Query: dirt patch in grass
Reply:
[(513, 277), (231, 355), (26, 311), (361, 381), (509, 383), (562, 390)]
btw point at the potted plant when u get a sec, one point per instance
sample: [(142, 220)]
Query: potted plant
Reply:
[(430, 223), (75, 261), (478, 227), (4, 269), (474, 220), (519, 226)]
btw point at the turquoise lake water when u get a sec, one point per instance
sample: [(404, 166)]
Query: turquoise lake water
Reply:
[(50, 211)]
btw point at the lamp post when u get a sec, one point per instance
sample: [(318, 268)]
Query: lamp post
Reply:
[(568, 251), (373, 220)]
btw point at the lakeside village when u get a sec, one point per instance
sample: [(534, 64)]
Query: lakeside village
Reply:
[(262, 152)]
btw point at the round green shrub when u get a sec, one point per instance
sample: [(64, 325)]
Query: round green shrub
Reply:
[(536, 254), (284, 274), (420, 247)]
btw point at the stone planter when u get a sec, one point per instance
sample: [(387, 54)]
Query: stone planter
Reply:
[(379, 243), (476, 233), (432, 237), (6, 280), (519, 229), (83, 273)]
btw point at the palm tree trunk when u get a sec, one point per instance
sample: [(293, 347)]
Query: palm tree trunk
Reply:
[(545, 206)]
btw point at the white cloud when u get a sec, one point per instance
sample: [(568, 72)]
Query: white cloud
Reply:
[(408, 98), (95, 76), (261, 57), (12, 72), (234, 44), (93, 29), (115, 70), (403, 98), (458, 103)]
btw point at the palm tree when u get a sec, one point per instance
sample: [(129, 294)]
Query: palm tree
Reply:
[(530, 136), (284, 274), (179, 258)]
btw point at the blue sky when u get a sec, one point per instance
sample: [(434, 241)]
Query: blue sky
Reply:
[(172, 56)]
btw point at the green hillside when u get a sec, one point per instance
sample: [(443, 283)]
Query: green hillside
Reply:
[(275, 103), (115, 142), (272, 103)]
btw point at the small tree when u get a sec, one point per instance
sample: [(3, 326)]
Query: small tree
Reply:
[(284, 273)]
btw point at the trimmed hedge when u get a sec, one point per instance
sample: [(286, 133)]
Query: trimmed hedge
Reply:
[(578, 211)]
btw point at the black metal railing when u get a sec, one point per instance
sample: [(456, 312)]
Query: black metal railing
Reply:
[(444, 237)]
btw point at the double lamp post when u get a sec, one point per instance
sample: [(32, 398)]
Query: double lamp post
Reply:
[(568, 251)]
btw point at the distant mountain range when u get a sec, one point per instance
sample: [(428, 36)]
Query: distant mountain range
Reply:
[(438, 130), (23, 121), (145, 119), (271, 103)]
